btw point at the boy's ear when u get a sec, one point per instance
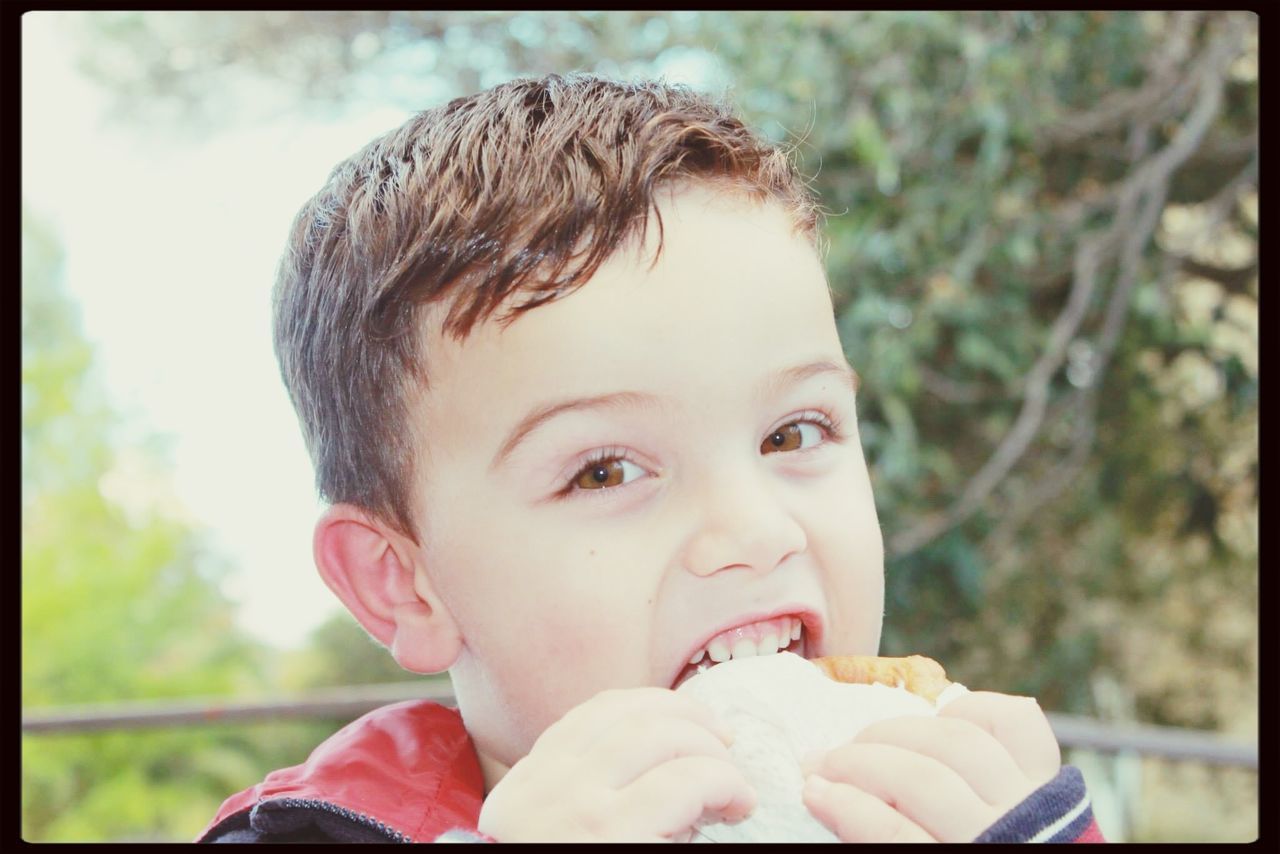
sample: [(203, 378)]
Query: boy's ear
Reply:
[(374, 570)]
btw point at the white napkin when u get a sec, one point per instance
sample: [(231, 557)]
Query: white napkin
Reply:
[(781, 709)]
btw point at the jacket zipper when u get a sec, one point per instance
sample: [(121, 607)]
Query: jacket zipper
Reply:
[(350, 815)]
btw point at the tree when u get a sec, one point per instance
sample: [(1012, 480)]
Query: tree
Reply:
[(1043, 245), (120, 601), (340, 652)]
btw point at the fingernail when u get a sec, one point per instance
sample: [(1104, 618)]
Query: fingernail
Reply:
[(810, 763)]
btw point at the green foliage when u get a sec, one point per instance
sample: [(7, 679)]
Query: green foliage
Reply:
[(117, 604), (340, 652), (967, 158), (980, 168), (88, 567)]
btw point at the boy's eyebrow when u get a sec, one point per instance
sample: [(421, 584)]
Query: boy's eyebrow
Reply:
[(800, 373), (642, 400), (613, 400)]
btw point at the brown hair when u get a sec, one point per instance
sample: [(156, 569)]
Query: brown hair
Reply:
[(517, 193)]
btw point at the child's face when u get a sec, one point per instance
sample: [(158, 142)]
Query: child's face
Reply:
[(561, 591)]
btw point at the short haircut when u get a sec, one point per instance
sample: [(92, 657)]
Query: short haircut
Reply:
[(513, 196)]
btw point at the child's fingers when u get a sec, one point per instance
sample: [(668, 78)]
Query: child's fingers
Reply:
[(1018, 724), (664, 802), (924, 790), (636, 744), (856, 816), (962, 746)]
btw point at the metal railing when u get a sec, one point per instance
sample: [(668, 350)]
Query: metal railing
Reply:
[(1073, 731)]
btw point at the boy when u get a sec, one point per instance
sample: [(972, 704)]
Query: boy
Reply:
[(565, 360)]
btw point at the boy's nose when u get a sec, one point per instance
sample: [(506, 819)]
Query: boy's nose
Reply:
[(742, 523)]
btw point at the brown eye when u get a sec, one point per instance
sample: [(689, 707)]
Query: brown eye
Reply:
[(796, 436), (785, 439), (599, 475)]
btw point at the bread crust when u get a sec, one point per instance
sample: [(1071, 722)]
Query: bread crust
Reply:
[(917, 673)]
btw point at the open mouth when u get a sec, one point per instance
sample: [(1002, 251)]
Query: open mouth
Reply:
[(786, 633)]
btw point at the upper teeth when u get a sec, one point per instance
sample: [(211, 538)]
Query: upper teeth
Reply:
[(770, 642)]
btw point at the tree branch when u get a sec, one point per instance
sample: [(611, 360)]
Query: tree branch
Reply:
[(1234, 280), (1066, 471), (1057, 480), (1122, 108), (1148, 182), (954, 391)]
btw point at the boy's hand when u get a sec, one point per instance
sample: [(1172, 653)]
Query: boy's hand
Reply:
[(628, 765), (945, 779)]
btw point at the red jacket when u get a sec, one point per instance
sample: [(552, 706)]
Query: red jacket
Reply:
[(408, 770)]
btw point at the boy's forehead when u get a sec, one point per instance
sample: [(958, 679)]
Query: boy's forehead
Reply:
[(723, 258), (644, 245)]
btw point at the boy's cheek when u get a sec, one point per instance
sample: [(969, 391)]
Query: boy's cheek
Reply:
[(841, 509)]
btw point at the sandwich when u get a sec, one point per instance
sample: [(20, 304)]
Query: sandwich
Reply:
[(784, 709), (921, 676)]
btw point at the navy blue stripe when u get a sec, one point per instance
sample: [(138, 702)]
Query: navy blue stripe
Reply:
[(1041, 809), (1073, 830)]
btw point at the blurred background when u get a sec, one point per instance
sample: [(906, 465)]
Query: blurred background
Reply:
[(1043, 241)]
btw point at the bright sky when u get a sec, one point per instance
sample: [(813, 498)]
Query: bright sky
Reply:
[(171, 250)]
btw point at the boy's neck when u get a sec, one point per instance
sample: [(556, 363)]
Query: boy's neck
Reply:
[(492, 769)]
